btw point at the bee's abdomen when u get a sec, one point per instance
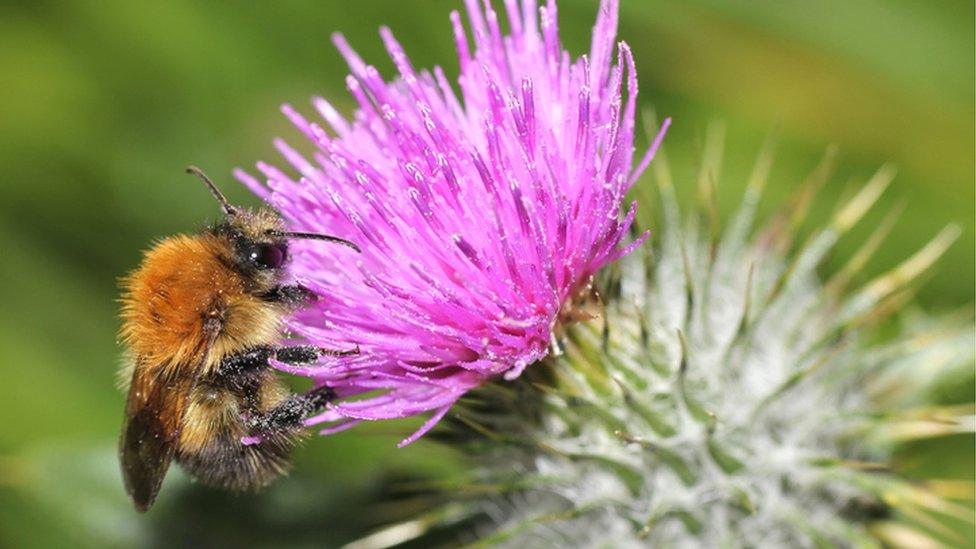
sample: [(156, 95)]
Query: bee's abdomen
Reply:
[(226, 463), (210, 446)]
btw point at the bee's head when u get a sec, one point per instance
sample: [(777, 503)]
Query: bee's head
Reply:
[(258, 240)]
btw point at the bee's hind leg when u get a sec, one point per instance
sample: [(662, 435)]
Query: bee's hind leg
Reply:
[(289, 414)]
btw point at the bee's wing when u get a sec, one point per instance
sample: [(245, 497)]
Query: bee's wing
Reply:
[(153, 414), (153, 419)]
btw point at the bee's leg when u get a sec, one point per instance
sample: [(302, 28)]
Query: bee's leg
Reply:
[(300, 354), (245, 363), (256, 359), (303, 354), (293, 296), (292, 411)]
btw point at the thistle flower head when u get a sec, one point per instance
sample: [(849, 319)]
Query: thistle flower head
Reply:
[(728, 397), (481, 214)]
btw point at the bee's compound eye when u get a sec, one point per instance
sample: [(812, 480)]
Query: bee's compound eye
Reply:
[(266, 256)]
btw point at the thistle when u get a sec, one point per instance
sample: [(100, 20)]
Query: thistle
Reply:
[(482, 216), (727, 397), (723, 395)]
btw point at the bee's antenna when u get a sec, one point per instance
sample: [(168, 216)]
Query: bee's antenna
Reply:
[(316, 236), (228, 209)]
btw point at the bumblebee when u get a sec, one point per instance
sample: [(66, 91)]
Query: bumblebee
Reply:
[(201, 318)]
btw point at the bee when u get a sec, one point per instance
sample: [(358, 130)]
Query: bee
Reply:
[(201, 318)]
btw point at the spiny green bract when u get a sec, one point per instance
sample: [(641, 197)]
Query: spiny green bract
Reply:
[(726, 396)]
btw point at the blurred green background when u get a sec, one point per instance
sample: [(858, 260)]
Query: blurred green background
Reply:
[(103, 103)]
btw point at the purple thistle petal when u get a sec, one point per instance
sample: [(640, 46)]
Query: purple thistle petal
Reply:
[(339, 427), (427, 426), (480, 214)]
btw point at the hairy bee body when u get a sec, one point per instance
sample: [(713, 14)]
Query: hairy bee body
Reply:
[(201, 318), (210, 445), (183, 282)]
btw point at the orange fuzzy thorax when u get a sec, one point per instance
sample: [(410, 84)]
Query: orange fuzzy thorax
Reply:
[(184, 281)]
